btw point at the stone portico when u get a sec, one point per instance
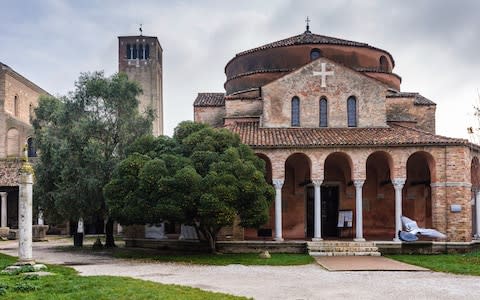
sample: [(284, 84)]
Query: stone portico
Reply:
[(347, 151)]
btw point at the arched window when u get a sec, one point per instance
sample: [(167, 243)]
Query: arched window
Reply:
[(140, 52), (147, 51), (315, 53), (32, 152), (323, 112), (15, 106), (135, 52), (352, 111), (383, 63), (295, 111), (129, 51)]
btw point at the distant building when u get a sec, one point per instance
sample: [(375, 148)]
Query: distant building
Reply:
[(18, 98), (347, 152), (141, 58)]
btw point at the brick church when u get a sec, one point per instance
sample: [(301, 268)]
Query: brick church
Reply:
[(347, 150)]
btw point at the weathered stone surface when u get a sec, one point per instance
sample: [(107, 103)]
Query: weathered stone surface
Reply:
[(265, 255), (39, 232)]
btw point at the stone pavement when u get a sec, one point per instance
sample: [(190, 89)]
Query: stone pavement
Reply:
[(268, 282), (364, 263)]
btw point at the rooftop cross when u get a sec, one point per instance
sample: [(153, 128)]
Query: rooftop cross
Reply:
[(308, 25), (141, 30), (324, 73)]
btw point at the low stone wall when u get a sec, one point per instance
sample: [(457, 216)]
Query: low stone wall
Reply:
[(167, 245), (258, 246), (425, 247)]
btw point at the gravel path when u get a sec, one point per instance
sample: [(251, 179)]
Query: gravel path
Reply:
[(265, 282)]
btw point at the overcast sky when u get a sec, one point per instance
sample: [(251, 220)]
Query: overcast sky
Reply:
[(435, 43)]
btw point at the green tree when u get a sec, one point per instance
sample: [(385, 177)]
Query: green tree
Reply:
[(203, 177), (81, 138)]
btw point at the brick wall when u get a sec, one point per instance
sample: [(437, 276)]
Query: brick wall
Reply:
[(370, 95), (209, 115)]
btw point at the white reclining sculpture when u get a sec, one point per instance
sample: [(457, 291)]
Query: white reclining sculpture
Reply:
[(412, 231)]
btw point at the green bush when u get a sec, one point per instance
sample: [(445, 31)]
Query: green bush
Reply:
[(24, 287)]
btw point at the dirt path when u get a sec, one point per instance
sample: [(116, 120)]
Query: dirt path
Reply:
[(264, 282)]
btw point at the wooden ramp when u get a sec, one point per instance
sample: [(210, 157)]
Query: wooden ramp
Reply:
[(364, 263)]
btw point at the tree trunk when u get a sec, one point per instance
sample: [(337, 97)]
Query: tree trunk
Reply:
[(109, 239)]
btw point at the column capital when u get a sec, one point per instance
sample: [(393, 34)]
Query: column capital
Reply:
[(358, 183), (317, 182), (3, 194), (278, 183), (398, 183)]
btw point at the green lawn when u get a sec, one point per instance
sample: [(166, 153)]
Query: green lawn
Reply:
[(278, 259), (66, 284), (467, 264)]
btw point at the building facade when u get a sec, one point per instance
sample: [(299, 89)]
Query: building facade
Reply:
[(347, 151), (140, 57), (18, 99)]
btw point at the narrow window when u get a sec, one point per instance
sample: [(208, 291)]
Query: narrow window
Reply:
[(383, 63), (352, 111), (295, 111), (15, 106), (32, 152), (315, 53), (129, 51), (30, 112), (135, 52), (147, 51), (140, 52), (323, 112)]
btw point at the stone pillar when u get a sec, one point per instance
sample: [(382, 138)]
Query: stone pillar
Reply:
[(40, 220), (25, 215), (278, 183), (398, 186), (317, 233), (3, 222), (477, 214), (358, 210)]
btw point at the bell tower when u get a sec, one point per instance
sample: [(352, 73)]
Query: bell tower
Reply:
[(140, 57)]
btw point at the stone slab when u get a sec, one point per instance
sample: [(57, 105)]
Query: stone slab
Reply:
[(364, 263)]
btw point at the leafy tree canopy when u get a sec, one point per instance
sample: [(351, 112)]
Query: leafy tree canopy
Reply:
[(202, 176), (81, 138)]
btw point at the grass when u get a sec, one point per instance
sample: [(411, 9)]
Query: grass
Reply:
[(466, 264), (66, 284), (277, 259)]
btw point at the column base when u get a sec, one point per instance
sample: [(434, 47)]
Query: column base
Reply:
[(397, 240), (317, 239), (278, 239), (25, 262), (359, 240)]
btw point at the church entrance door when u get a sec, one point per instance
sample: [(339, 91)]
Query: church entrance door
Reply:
[(330, 198)]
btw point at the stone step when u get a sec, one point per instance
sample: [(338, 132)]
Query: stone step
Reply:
[(376, 253), (340, 244), (343, 249)]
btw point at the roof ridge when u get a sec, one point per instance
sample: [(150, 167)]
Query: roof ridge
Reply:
[(428, 133)]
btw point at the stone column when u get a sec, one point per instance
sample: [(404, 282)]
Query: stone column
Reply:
[(278, 183), (477, 214), (398, 186), (25, 215), (317, 233), (358, 210), (3, 222)]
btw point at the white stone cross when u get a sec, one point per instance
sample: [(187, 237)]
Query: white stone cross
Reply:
[(324, 73)]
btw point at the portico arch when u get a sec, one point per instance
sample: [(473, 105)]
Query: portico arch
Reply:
[(379, 197), (337, 193), (417, 193), (294, 194), (268, 166)]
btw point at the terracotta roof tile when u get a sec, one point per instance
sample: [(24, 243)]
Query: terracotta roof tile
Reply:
[(419, 99), (210, 99), (250, 133)]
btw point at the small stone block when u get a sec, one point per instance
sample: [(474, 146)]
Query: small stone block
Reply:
[(39, 267), (265, 255)]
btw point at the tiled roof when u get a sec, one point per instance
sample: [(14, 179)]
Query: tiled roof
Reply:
[(210, 99), (419, 99), (310, 38), (395, 135)]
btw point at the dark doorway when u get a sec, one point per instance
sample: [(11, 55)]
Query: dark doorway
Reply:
[(329, 211)]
